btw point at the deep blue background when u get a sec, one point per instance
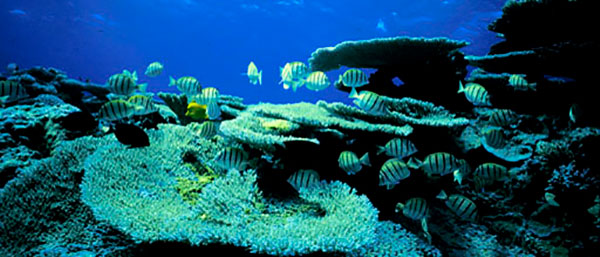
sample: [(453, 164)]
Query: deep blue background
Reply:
[(215, 40)]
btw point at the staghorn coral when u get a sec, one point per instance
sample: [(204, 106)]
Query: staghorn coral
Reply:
[(381, 52)]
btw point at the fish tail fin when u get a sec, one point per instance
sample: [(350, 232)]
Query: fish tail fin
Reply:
[(461, 87), (414, 163), (458, 176), (353, 93), (260, 77), (365, 159), (143, 87), (442, 195), (513, 172), (172, 81), (399, 207), (532, 86), (380, 149)]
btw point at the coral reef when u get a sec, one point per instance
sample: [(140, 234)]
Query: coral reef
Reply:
[(44, 198), (412, 60), (405, 110), (178, 105), (382, 52), (94, 196), (231, 209)]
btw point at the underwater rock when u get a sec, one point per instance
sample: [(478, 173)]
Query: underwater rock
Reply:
[(382, 52), (14, 158), (555, 21), (26, 123), (564, 59)]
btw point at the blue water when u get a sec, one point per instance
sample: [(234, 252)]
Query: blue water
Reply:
[(214, 40)]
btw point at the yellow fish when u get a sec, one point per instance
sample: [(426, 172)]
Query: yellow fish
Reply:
[(196, 111)]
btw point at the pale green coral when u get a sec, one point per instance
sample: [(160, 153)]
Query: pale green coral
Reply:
[(251, 130), (136, 191), (316, 116), (44, 198), (403, 111)]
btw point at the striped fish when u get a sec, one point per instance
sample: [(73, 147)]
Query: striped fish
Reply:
[(491, 171), (370, 102), (145, 102), (132, 75), (317, 81), (213, 110), (208, 129), (11, 91), (292, 75), (254, 76), (503, 117), (117, 109), (398, 147), (350, 163), (154, 69), (476, 94), (304, 179), (208, 95), (520, 83), (392, 172), (440, 163), (187, 85), (494, 138), (414, 208), (125, 84), (353, 78), (231, 158), (460, 205)]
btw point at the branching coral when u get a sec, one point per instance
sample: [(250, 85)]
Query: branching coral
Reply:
[(137, 191), (381, 52)]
